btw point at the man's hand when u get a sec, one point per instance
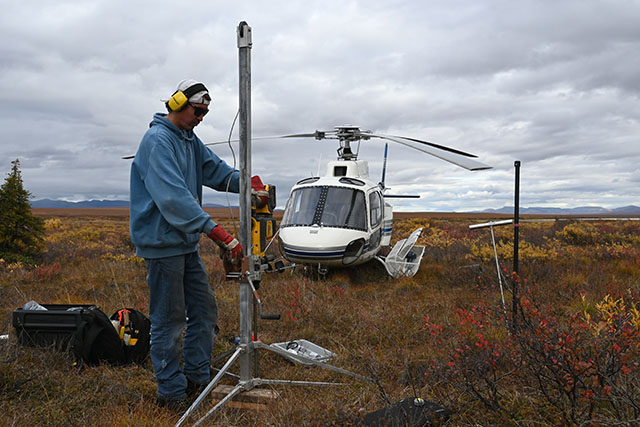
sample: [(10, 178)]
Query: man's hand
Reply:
[(259, 194), (227, 242)]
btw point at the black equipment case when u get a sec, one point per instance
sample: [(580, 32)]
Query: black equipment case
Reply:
[(55, 326)]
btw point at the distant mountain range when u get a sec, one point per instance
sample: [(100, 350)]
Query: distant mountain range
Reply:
[(582, 210), (631, 210), (48, 203)]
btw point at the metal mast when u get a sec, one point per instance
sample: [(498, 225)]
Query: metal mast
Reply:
[(244, 55), (246, 351)]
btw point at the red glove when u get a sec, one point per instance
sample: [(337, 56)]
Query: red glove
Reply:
[(259, 194), (227, 242)]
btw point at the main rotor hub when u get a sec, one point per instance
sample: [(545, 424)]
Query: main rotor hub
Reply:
[(346, 135)]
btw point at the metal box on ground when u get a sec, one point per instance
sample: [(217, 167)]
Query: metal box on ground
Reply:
[(53, 327), (304, 351)]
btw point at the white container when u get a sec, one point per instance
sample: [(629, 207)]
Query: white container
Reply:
[(32, 305), (303, 350)]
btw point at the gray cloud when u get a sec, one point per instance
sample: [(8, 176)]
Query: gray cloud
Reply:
[(553, 84)]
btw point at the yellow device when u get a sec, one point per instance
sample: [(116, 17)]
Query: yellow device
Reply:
[(263, 225)]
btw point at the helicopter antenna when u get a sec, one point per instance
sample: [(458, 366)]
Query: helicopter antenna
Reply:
[(384, 164)]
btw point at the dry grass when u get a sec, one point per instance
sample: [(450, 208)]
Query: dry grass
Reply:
[(374, 324)]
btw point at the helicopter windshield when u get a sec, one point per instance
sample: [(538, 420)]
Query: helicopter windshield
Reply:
[(326, 206)]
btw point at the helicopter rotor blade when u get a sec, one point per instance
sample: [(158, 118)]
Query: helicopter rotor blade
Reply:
[(446, 155), (299, 135), (236, 140), (317, 135), (451, 155), (228, 141), (432, 144), (367, 134)]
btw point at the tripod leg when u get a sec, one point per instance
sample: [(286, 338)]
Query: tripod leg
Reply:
[(222, 356), (210, 386), (237, 389)]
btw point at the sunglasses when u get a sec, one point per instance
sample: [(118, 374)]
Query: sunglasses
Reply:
[(199, 112)]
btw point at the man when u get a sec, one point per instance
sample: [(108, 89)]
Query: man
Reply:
[(166, 221)]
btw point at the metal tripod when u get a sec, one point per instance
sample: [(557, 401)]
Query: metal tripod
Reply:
[(244, 353), (246, 350)]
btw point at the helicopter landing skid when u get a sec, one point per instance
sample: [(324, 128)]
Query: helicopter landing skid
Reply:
[(322, 271)]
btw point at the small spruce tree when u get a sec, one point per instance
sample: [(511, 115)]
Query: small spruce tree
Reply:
[(21, 232)]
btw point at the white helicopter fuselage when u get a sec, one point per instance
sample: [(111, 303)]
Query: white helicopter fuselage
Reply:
[(338, 219)]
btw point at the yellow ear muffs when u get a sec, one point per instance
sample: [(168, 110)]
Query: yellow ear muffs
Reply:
[(180, 99)]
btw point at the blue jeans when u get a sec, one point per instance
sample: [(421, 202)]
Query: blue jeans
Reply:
[(179, 295)]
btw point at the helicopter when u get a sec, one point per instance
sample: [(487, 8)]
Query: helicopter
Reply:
[(343, 218)]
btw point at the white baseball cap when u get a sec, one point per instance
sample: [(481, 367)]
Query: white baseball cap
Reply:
[(199, 97)]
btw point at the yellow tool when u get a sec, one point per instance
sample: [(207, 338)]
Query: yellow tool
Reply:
[(263, 225)]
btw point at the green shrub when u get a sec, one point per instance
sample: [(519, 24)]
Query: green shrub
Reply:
[(21, 233)]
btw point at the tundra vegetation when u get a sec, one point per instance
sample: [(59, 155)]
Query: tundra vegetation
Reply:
[(569, 357)]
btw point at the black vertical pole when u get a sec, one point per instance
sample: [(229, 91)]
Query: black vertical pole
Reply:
[(516, 228)]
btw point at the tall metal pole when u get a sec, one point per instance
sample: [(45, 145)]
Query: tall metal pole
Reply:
[(251, 270), (246, 300), (516, 228)]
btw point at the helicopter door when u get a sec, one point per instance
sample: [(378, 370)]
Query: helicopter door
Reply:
[(375, 219)]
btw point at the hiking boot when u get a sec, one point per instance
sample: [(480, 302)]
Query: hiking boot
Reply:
[(194, 389), (177, 405)]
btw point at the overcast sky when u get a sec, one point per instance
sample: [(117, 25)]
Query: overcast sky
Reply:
[(554, 84)]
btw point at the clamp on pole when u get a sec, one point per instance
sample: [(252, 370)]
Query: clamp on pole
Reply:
[(246, 271), (244, 35)]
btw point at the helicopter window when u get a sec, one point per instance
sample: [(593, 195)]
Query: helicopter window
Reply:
[(301, 207), (344, 207), (351, 181), (375, 203), (339, 171), (308, 180), (329, 206)]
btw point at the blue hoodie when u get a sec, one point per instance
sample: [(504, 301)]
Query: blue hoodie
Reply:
[(167, 175)]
